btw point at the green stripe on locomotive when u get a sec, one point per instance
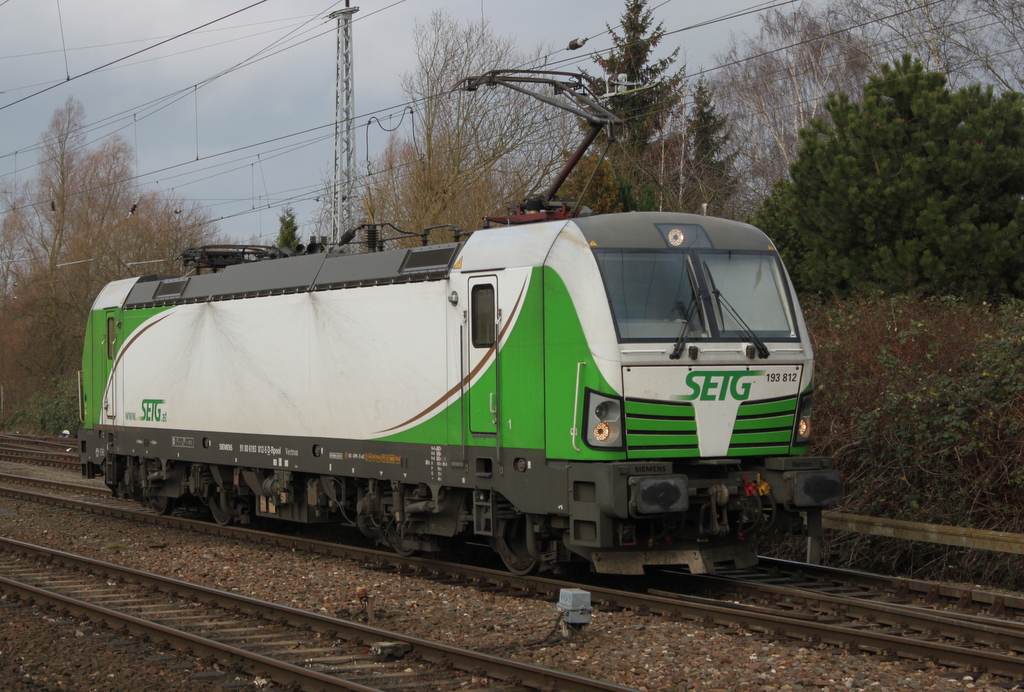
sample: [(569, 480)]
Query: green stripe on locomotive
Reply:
[(537, 365), (98, 357)]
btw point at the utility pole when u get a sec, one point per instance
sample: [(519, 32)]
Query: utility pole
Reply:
[(344, 127)]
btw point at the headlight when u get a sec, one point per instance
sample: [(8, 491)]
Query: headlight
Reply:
[(802, 431), (603, 421), (803, 428), (606, 432), (607, 409)]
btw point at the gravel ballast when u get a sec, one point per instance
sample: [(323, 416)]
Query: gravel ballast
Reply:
[(646, 652), (42, 651)]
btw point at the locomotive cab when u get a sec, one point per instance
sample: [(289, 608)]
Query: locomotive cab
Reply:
[(707, 396)]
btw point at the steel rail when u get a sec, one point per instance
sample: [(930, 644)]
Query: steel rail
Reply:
[(953, 625), (903, 587), (39, 441), (463, 659), (62, 485), (35, 455), (278, 670), (754, 618), (131, 510), (930, 592)]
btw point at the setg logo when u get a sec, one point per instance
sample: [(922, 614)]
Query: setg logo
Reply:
[(151, 410), (719, 385)]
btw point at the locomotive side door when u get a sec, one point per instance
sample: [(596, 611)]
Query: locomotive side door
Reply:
[(106, 358), (483, 355)]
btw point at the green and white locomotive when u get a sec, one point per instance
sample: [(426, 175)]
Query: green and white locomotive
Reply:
[(626, 389)]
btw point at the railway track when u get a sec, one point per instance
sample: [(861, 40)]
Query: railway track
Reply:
[(978, 630), (69, 487), (41, 451), (292, 646), (840, 612), (900, 590)]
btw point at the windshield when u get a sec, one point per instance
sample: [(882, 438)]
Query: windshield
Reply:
[(750, 286), (654, 294)]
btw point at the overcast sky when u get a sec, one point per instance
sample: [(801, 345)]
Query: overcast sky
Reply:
[(258, 137)]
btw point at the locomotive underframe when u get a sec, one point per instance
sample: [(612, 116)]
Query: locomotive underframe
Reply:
[(411, 497)]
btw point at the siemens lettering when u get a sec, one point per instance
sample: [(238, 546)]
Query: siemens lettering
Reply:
[(709, 385)]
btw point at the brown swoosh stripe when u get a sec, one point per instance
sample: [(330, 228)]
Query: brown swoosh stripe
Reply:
[(469, 377), (132, 340)]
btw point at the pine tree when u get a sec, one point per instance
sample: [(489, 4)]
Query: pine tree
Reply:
[(709, 175), (603, 194), (643, 110), (288, 236), (913, 188)]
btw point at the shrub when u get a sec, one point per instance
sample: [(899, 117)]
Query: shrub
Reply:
[(48, 412), (921, 403)]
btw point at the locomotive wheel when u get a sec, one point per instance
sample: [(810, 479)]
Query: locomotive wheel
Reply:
[(394, 540), (161, 504), (397, 547), (221, 515), (511, 547)]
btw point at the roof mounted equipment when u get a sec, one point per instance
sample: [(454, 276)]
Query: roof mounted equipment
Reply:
[(579, 100)]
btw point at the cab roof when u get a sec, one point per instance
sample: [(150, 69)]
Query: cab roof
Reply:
[(649, 230)]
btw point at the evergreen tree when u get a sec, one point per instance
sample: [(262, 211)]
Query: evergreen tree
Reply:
[(603, 194), (776, 217), (288, 236), (709, 175), (643, 110), (916, 187)]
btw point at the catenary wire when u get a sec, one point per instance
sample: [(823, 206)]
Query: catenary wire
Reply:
[(676, 31)]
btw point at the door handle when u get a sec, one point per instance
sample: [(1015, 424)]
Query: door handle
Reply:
[(494, 409)]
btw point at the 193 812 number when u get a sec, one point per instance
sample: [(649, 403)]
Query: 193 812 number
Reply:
[(781, 376)]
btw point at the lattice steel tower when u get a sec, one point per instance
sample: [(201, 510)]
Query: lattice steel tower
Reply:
[(344, 127)]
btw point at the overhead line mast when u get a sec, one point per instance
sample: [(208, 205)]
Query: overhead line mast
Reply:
[(344, 127)]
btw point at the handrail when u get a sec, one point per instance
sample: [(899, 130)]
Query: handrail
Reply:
[(576, 407)]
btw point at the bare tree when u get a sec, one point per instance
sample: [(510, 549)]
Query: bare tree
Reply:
[(322, 220), (1000, 50), (949, 36), (466, 155), (774, 83), (81, 223)]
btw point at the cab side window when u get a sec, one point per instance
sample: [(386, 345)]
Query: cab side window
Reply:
[(111, 338), (482, 305)]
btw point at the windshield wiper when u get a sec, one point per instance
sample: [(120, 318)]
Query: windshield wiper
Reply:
[(677, 351), (762, 350)]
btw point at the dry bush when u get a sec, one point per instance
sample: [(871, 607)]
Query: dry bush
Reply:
[(921, 402)]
